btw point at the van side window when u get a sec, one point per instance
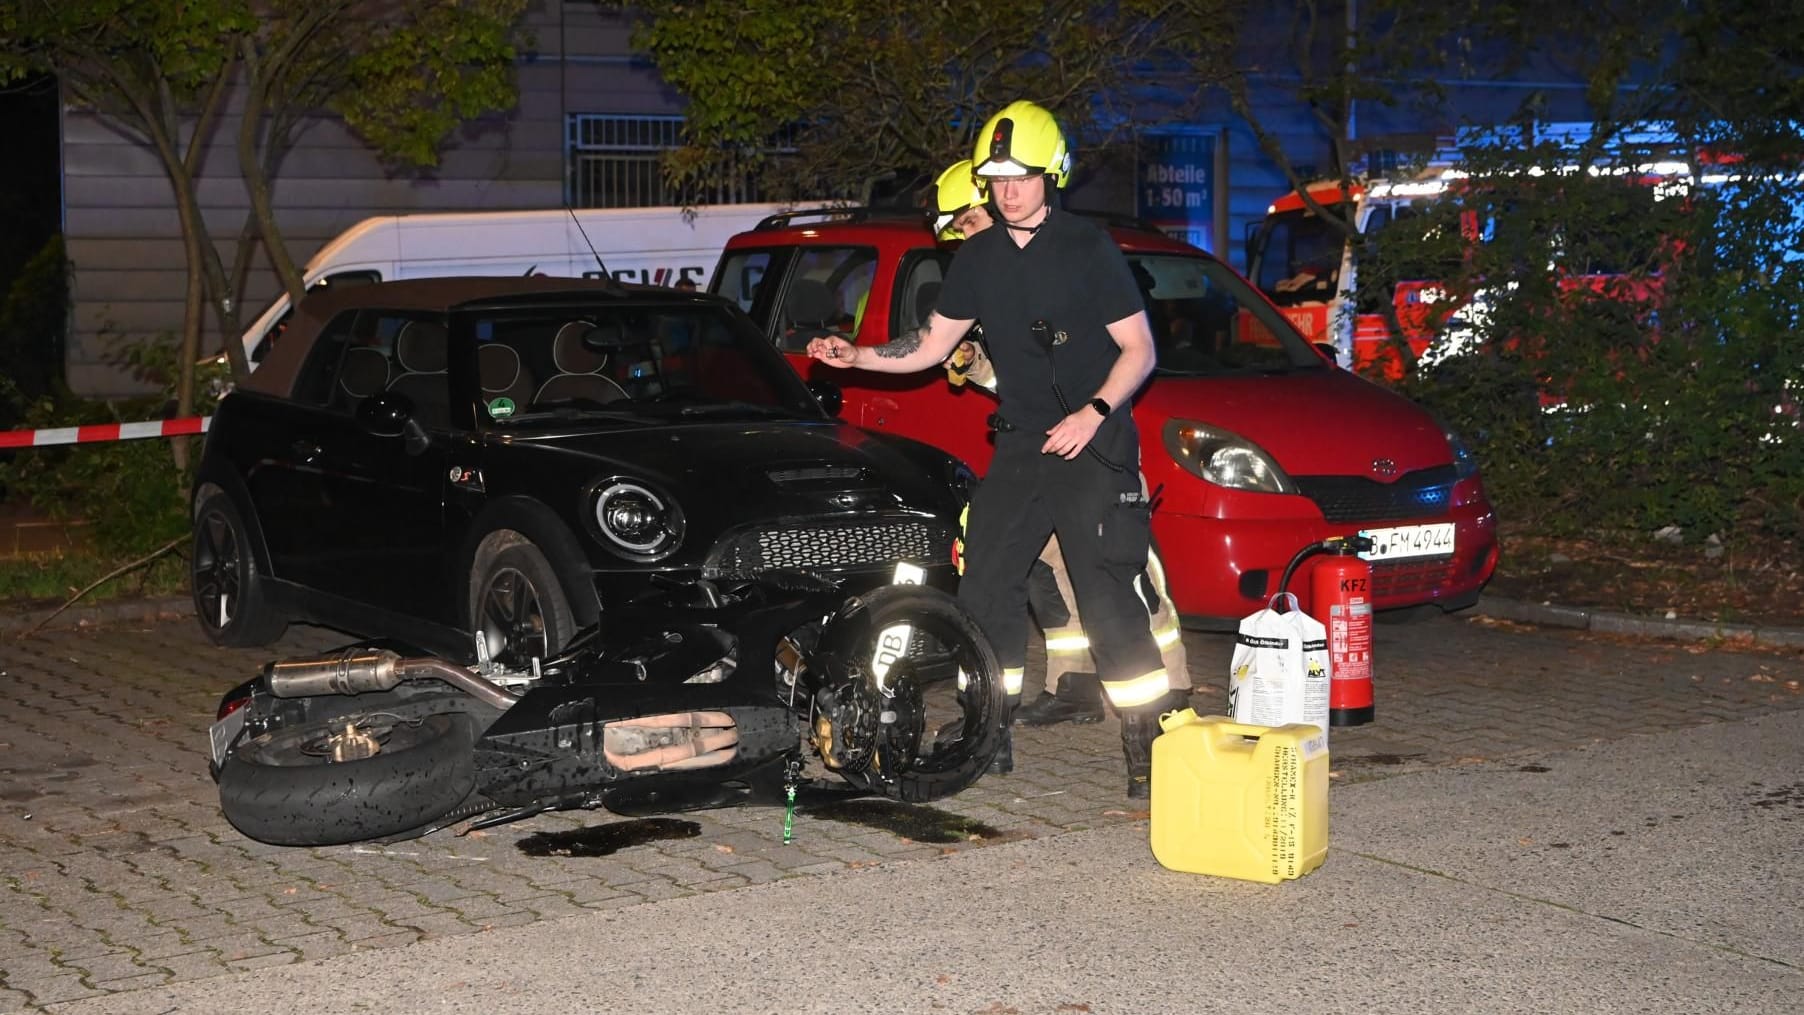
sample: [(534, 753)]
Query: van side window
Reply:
[(346, 279)]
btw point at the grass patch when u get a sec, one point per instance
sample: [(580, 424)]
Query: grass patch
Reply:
[(49, 580)]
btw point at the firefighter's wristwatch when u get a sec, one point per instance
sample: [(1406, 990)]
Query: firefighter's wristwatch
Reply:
[(1101, 407)]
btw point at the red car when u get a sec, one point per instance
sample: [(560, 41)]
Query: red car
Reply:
[(1257, 444)]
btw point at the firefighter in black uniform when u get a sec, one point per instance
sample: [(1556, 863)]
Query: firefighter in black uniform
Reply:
[(1066, 325), (1073, 692)]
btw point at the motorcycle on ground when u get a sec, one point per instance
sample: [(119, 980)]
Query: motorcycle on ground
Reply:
[(708, 695)]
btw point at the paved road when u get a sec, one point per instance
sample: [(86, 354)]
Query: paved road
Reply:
[(124, 889)]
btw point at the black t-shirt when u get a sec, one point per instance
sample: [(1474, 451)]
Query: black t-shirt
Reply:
[(1070, 275)]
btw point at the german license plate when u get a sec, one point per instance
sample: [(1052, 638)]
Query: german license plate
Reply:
[(1434, 540), (224, 732)]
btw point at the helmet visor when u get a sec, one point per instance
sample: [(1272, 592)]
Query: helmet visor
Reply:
[(1009, 167), (948, 216)]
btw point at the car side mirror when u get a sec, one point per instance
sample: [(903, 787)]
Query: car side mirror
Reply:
[(829, 395), (385, 414), (392, 415), (1328, 350)]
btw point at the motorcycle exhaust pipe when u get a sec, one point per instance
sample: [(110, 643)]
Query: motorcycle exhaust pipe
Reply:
[(354, 671), (358, 671)]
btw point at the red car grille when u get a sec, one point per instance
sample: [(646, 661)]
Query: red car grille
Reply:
[(1411, 578), (1424, 493)]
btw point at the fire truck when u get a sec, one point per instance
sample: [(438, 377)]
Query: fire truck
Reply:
[(1306, 263)]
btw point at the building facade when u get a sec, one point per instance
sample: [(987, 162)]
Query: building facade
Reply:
[(586, 132)]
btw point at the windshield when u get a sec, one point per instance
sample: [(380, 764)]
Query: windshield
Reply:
[(625, 363), (1207, 321), (1300, 259)]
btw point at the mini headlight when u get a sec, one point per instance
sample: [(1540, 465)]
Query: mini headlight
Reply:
[(637, 519), (1224, 458)]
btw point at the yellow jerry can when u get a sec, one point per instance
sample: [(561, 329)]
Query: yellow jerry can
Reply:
[(1239, 801)]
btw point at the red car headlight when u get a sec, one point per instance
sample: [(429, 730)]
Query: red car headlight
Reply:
[(1224, 458)]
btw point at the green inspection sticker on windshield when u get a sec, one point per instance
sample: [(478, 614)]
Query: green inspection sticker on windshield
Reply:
[(501, 408)]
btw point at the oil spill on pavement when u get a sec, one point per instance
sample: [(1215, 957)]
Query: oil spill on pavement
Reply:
[(1380, 759), (1784, 797), (608, 839), (910, 821)]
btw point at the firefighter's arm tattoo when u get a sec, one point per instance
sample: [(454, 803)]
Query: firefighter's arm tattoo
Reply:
[(900, 346)]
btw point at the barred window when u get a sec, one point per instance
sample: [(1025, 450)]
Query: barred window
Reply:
[(614, 163)]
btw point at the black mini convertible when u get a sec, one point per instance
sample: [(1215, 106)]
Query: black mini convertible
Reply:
[(481, 467)]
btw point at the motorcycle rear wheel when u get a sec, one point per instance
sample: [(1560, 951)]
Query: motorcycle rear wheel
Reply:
[(945, 641), (283, 788)]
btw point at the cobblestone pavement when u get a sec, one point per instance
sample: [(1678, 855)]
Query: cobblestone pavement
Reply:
[(119, 872)]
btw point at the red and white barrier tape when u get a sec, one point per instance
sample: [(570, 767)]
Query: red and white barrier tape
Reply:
[(104, 432)]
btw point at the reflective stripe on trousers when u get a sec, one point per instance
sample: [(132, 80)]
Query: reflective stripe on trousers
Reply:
[(1068, 648), (1142, 690), (1167, 631)]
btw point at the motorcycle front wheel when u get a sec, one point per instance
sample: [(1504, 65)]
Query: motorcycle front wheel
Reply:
[(923, 709), (348, 779)]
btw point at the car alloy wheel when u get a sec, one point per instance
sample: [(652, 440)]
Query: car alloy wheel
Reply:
[(519, 609), (228, 592)]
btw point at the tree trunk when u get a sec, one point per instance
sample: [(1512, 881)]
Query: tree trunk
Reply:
[(254, 167), (193, 306)]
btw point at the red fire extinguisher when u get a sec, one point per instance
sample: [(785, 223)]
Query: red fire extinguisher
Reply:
[(1340, 596)]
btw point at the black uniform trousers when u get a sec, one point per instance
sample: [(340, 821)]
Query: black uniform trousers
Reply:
[(1027, 496)]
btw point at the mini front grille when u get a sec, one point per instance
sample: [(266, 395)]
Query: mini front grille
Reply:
[(1424, 493), (825, 546)]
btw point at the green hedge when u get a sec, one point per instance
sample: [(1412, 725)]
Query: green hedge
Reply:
[(1629, 363)]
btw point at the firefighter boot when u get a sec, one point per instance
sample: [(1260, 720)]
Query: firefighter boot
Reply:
[(1004, 761), (1138, 728), (1079, 700)]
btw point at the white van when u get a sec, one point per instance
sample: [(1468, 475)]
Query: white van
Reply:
[(656, 246)]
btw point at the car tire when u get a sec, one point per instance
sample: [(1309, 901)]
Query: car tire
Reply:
[(281, 788), (229, 597), (517, 606)]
